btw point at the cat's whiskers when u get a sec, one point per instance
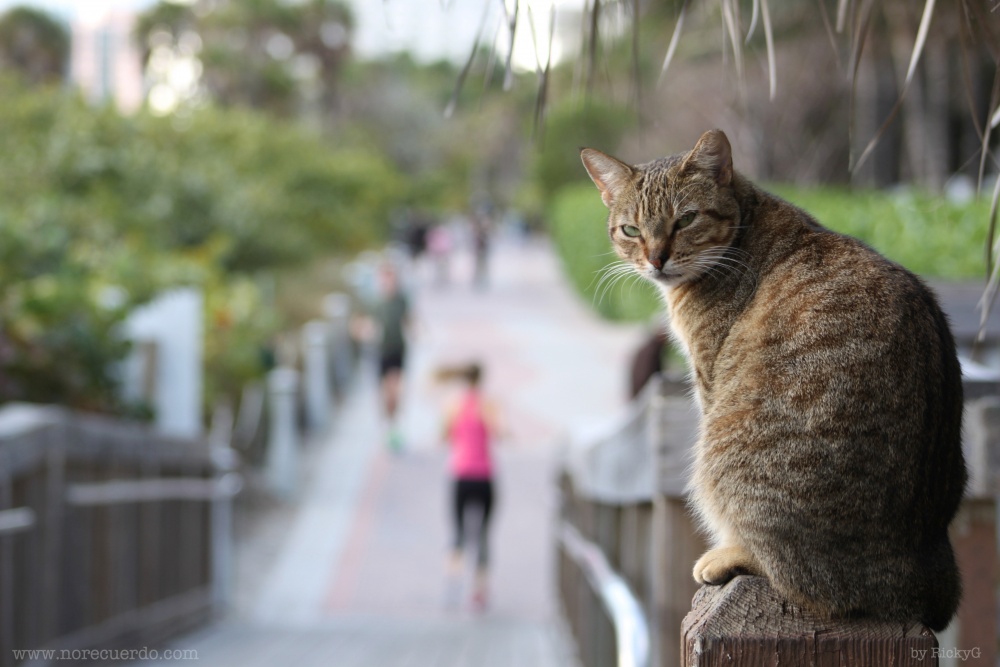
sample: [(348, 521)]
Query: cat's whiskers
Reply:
[(602, 273), (606, 274), (725, 259), (611, 283), (706, 267), (636, 279), (720, 265), (612, 274)]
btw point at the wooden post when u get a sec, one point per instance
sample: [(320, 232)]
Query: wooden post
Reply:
[(283, 443), (676, 543), (337, 311), (316, 385), (225, 462), (974, 537), (52, 528), (746, 623)]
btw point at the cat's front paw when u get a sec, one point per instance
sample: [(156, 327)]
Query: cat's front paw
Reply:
[(720, 565)]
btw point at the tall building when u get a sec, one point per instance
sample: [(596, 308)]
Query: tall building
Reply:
[(104, 60)]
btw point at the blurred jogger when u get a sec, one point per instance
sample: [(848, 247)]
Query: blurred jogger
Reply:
[(470, 426), (392, 313)]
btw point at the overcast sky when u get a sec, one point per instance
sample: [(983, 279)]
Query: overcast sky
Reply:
[(430, 29)]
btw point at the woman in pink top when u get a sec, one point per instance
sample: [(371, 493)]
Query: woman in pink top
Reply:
[(468, 430)]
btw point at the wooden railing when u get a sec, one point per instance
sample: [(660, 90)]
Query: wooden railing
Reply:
[(624, 493), (110, 535), (608, 487)]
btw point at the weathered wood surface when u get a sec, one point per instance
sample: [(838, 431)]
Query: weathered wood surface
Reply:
[(104, 528), (746, 623), (497, 640), (661, 431), (974, 538), (677, 545)]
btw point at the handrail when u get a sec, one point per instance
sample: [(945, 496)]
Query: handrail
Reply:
[(165, 512), (15, 520), (153, 490), (631, 628)]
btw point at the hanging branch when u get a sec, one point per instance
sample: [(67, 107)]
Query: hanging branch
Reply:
[(508, 77), (636, 82), (595, 19), (842, 15), (857, 49), (491, 62), (460, 82), (674, 39), (991, 233), (541, 96), (918, 49), (829, 33), (732, 30), (772, 76), (753, 20)]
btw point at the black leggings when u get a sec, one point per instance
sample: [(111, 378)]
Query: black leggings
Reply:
[(473, 492)]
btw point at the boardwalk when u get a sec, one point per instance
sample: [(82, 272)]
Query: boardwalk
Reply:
[(353, 574)]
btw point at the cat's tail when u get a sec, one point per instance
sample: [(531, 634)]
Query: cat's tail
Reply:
[(942, 587)]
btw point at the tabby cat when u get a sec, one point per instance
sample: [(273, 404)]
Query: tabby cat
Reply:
[(829, 457)]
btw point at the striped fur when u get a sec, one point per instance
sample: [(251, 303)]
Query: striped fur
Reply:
[(830, 453)]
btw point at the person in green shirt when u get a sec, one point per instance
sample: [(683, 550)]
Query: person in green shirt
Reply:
[(392, 314)]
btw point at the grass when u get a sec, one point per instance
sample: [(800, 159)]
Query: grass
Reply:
[(927, 234)]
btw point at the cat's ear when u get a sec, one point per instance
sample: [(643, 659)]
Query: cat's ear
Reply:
[(609, 175), (713, 154)]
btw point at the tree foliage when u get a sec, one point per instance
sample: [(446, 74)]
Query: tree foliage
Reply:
[(98, 213), (33, 44), (265, 54)]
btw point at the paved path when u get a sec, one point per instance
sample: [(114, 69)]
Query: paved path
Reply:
[(356, 574)]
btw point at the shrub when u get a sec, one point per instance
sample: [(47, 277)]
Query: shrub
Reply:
[(926, 234)]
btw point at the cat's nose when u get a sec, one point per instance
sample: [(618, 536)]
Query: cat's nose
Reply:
[(657, 260)]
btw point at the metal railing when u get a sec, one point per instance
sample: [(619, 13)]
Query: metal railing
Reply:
[(632, 638)]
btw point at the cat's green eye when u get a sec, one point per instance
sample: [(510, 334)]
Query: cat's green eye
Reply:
[(685, 220), (631, 231)]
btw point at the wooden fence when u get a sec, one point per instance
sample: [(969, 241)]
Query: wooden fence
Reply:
[(110, 535), (115, 536), (623, 492)]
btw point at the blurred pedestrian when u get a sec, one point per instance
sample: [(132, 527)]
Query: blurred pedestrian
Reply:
[(416, 234), (439, 249), (480, 249), (392, 314), (470, 428)]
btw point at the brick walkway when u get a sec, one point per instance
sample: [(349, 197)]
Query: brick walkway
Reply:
[(358, 577)]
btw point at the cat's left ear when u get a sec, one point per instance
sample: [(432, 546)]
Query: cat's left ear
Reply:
[(713, 154), (609, 175)]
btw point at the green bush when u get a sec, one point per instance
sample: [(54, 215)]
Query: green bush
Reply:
[(579, 230), (926, 234), (569, 127), (99, 213)]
